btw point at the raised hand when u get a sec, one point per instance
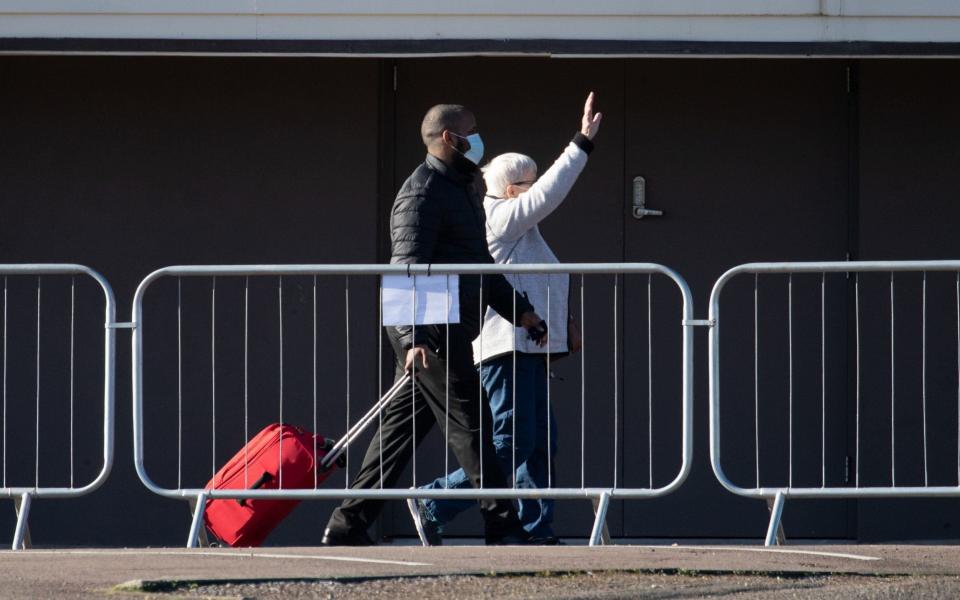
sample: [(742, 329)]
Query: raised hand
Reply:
[(590, 124)]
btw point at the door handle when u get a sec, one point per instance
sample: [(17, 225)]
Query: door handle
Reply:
[(640, 209)]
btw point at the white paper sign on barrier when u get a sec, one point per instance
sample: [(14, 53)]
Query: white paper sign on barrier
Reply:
[(437, 299)]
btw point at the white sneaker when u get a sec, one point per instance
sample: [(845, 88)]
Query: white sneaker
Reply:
[(427, 529)]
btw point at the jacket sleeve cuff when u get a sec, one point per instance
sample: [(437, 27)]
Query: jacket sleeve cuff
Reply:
[(420, 338), (405, 337), (583, 142), (410, 337), (523, 306)]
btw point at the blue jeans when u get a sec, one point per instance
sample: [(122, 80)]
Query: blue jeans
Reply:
[(533, 459)]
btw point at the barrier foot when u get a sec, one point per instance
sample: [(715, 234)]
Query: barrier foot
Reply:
[(196, 526), (202, 538), (775, 534), (605, 534), (21, 536), (600, 534)]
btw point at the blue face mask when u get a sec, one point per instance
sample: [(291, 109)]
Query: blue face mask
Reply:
[(475, 153)]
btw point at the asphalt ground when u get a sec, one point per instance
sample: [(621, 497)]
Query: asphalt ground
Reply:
[(404, 570)]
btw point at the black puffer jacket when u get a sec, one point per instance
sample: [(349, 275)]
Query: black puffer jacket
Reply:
[(438, 217)]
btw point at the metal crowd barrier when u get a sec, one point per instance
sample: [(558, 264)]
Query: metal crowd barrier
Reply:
[(879, 310), (25, 382), (211, 310)]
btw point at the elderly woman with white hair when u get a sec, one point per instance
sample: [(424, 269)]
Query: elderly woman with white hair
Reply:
[(508, 359)]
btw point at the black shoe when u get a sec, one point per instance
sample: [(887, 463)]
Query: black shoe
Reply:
[(346, 538), (427, 529), (521, 538), (546, 540)]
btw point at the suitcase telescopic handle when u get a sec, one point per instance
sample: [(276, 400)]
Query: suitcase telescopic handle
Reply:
[(343, 443), (264, 479)]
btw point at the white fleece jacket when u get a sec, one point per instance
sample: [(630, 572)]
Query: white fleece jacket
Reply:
[(514, 238)]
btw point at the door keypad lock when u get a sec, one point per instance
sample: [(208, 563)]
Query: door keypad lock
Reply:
[(640, 209)]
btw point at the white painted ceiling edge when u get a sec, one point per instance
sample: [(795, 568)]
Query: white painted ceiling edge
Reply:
[(640, 20)]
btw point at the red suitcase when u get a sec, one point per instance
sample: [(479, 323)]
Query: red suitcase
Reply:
[(277, 451)]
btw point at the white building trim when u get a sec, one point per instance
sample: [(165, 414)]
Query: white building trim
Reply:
[(804, 21)]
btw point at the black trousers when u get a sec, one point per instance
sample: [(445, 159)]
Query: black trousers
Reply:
[(418, 408)]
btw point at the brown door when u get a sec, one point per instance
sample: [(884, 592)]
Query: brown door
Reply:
[(748, 162)]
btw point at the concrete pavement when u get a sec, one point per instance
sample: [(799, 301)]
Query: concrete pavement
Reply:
[(88, 573)]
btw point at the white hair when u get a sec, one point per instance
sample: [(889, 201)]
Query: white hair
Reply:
[(506, 169)]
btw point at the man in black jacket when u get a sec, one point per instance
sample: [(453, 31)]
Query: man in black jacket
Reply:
[(438, 217)]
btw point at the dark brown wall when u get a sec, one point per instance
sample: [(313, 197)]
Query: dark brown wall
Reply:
[(910, 186), (130, 164)]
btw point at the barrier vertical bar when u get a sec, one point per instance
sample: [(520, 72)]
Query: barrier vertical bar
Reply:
[(549, 415), (5, 381), (480, 382), (246, 382), (926, 477), (380, 373), (856, 288), (37, 432), (583, 386), (413, 397), (446, 388), (179, 382), (513, 400), (280, 432), (756, 375), (823, 380), (650, 381), (346, 303), (73, 309), (790, 354), (616, 377), (893, 392), (213, 378), (313, 366)]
